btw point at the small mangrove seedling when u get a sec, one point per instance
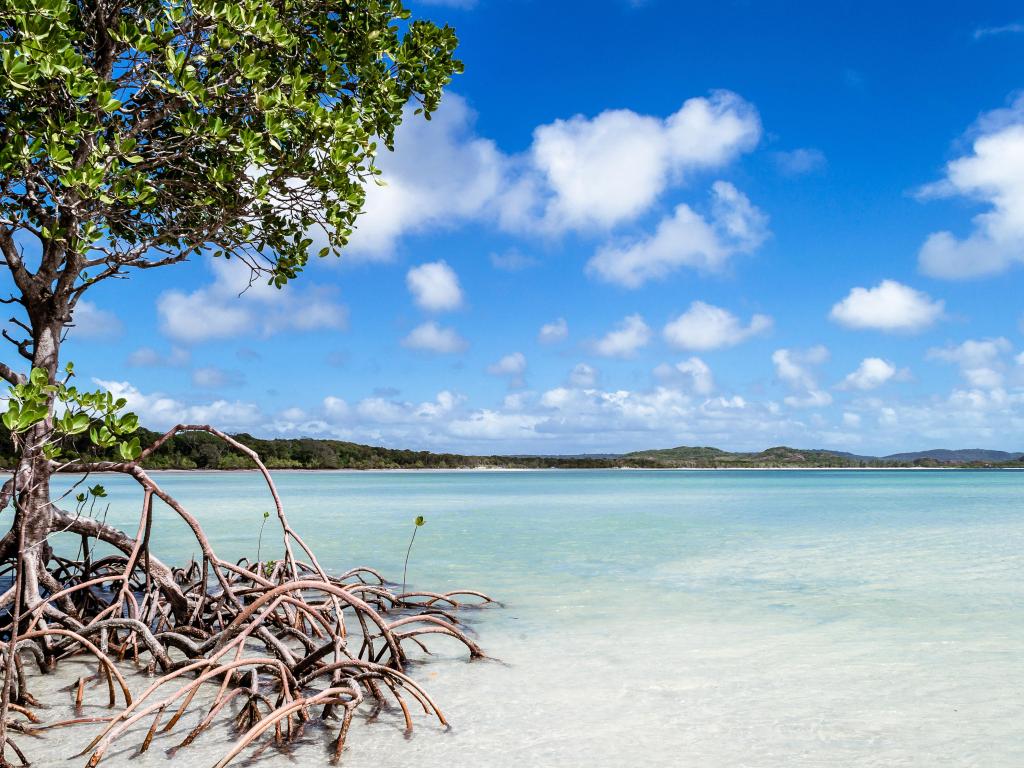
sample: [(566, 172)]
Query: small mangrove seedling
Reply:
[(419, 521), (259, 539)]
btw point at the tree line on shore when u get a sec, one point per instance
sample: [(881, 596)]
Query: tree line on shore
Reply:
[(202, 451)]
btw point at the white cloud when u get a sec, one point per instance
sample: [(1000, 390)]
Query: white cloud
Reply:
[(439, 175), (794, 368), (435, 286), (694, 371), (159, 411), (198, 316), (889, 306), (91, 322), (983, 378), (686, 239), (851, 419), (336, 407), (607, 169), (431, 337), (973, 353), (493, 425), (705, 327), (583, 375), (628, 336), (801, 161), (980, 361), (992, 174), (1005, 29), (578, 174), (872, 373), (512, 367), (557, 330), (229, 307)]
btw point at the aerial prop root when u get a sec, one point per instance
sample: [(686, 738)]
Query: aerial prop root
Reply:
[(273, 644)]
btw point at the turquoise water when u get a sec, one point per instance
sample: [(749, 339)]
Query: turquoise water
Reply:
[(674, 618)]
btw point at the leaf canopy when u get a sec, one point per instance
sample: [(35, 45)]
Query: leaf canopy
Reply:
[(134, 133)]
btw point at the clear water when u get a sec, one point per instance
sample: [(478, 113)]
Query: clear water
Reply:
[(670, 618)]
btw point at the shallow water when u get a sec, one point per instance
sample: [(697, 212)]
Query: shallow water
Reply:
[(668, 618)]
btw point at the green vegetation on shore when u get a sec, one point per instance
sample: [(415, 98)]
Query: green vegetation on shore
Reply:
[(198, 450)]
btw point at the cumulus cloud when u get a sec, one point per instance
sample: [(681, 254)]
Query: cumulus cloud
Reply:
[(992, 174), (980, 361), (440, 175), (706, 327), (625, 339), (434, 286), (488, 424), (431, 337), (872, 373), (159, 411), (92, 322), (230, 307), (665, 415), (511, 367), (795, 369), (600, 171), (578, 174), (694, 372), (889, 306), (686, 239), (556, 330)]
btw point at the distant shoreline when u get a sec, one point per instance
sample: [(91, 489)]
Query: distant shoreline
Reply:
[(201, 452)]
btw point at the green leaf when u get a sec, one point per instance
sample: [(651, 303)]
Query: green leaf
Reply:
[(128, 423), (30, 416), (10, 417), (420, 520), (130, 450), (79, 423)]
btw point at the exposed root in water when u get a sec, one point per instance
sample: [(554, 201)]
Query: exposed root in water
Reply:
[(266, 647)]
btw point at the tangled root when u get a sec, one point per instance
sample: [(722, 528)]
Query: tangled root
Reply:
[(272, 645)]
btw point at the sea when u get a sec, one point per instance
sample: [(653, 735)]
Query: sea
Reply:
[(771, 619)]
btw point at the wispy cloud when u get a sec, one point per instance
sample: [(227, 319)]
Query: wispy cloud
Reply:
[(1005, 29), (800, 161)]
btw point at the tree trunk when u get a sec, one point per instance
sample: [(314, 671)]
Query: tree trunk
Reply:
[(32, 478)]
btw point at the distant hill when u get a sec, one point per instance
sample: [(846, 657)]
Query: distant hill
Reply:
[(779, 456), (962, 455), (784, 456)]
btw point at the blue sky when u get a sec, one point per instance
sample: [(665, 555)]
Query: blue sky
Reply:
[(741, 225)]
